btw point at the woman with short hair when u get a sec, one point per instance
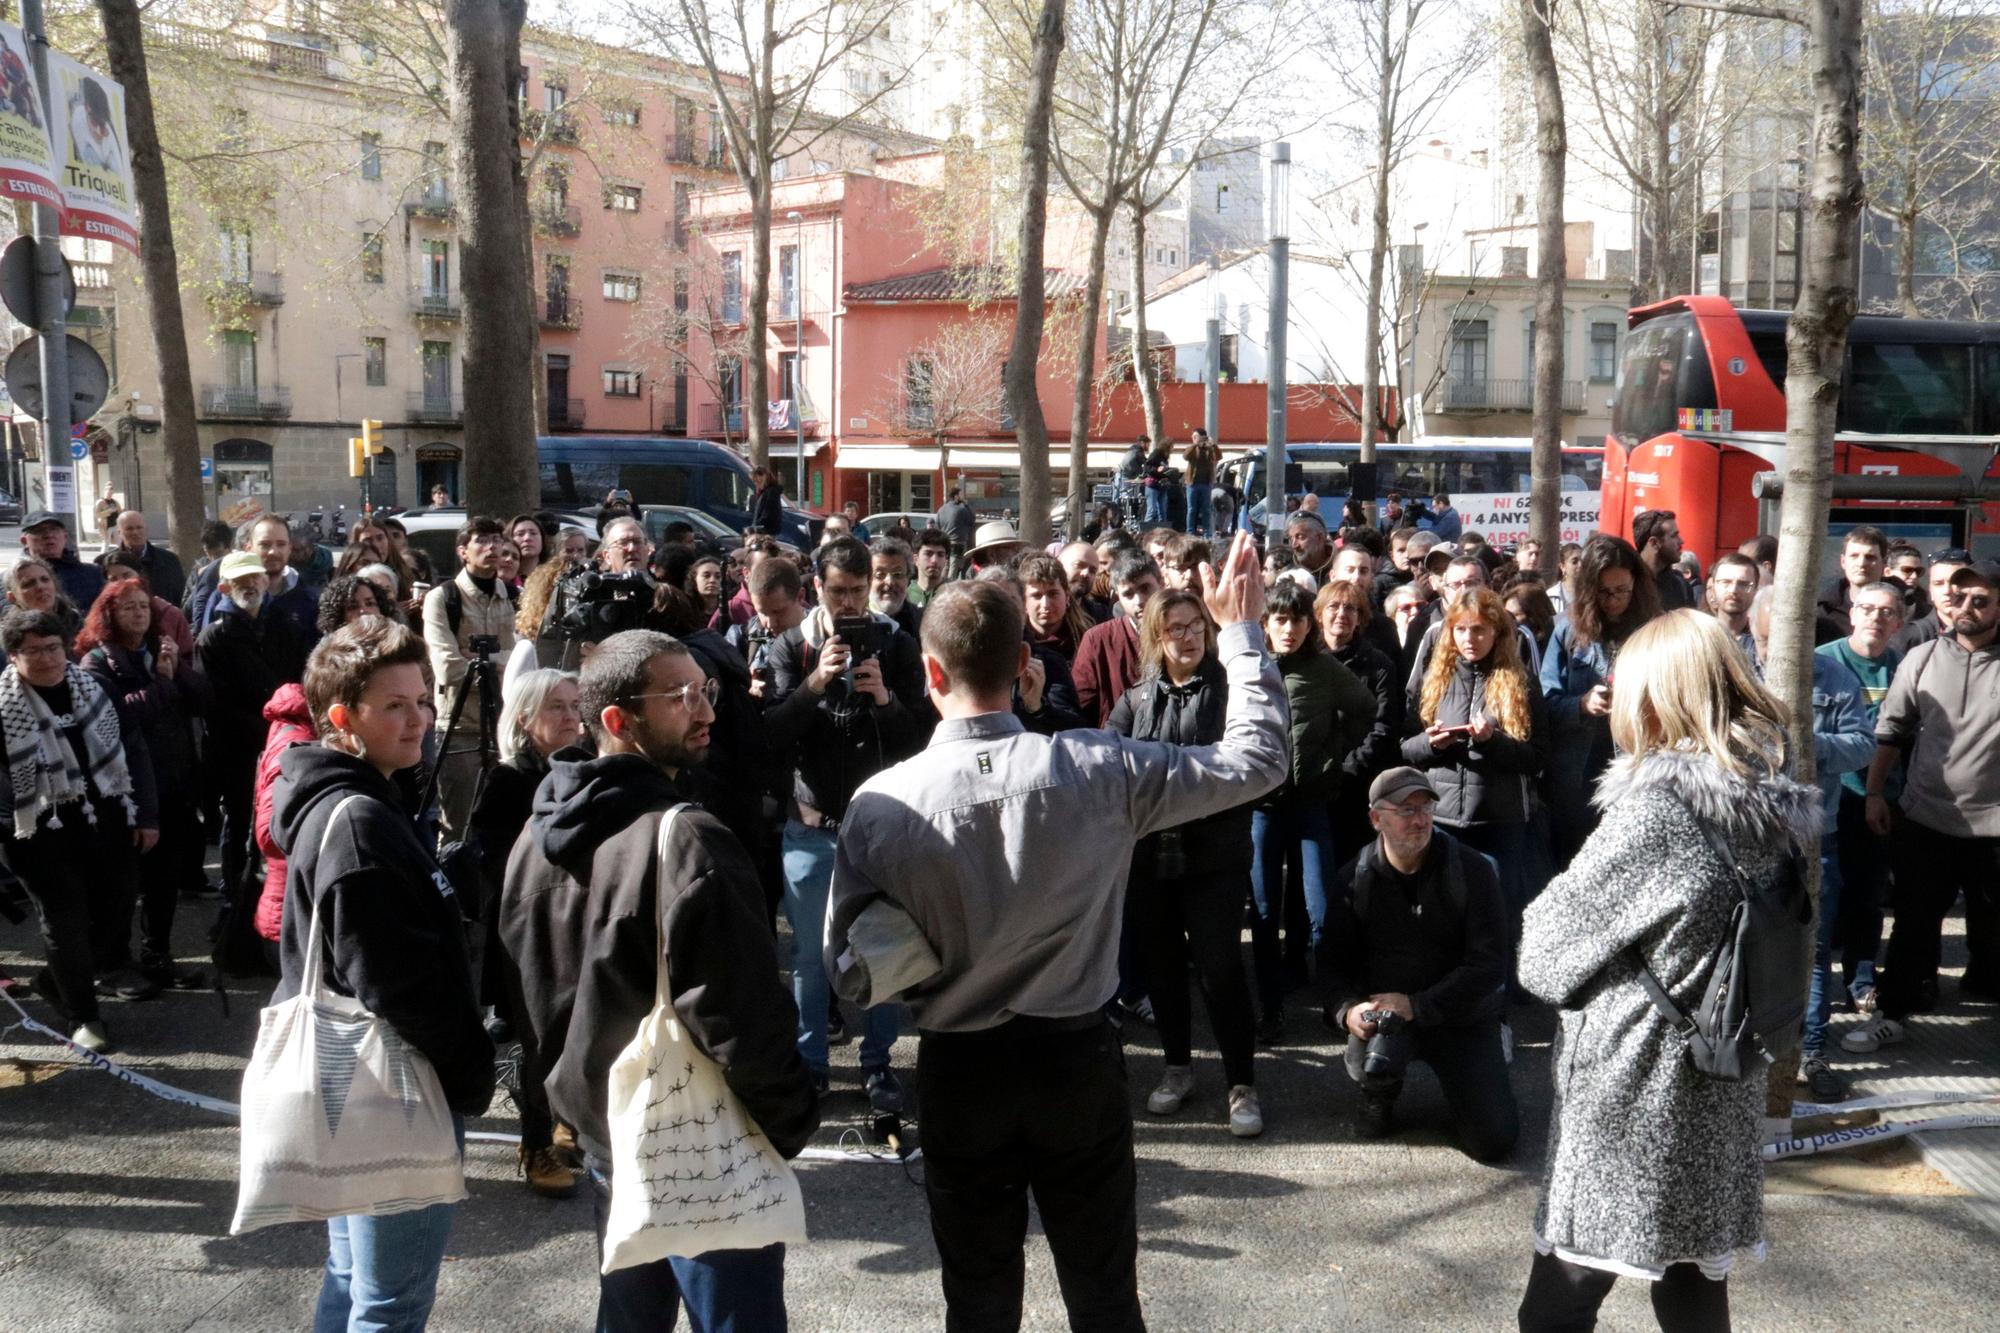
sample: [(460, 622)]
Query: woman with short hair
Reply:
[(1342, 613), (393, 940), (1186, 887), (32, 586), (1654, 1170)]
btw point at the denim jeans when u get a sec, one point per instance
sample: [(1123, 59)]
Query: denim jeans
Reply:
[(1156, 505), (1198, 511), (1292, 827), (1819, 996), (725, 1291), (808, 856), (382, 1272)]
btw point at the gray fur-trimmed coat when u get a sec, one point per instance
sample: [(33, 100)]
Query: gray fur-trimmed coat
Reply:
[(1650, 1163)]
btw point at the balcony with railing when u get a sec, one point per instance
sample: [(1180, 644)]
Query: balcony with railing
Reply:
[(562, 312), (722, 418), (264, 403), (560, 126), (91, 276), (429, 303), (553, 218), (431, 408), (255, 287), (565, 414), (432, 201), (1463, 395)]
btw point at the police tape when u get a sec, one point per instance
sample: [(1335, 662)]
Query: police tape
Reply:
[(1836, 1139), (169, 1093), (1891, 1101)]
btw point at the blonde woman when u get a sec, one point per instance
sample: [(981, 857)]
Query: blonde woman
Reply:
[(1653, 1169), (540, 717), (1478, 728), (1185, 896)]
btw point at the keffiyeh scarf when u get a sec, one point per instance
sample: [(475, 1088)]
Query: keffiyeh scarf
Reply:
[(41, 763)]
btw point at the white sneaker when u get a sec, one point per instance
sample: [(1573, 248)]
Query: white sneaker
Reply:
[(92, 1037), (1175, 1085), (1246, 1118), (1874, 1035)]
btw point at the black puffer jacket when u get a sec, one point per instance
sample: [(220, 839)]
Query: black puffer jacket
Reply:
[(394, 931), (582, 916), (1479, 782), (1192, 714), (842, 738)]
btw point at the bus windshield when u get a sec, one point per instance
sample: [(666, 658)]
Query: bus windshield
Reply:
[(1665, 369)]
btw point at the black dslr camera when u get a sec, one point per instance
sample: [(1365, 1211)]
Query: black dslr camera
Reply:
[(1389, 1047), (597, 605)]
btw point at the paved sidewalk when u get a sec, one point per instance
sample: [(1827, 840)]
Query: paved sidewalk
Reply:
[(114, 1209)]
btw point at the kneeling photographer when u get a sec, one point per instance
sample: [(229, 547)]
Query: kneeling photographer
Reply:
[(1414, 959)]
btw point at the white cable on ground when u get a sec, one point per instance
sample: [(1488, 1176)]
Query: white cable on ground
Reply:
[(166, 1092)]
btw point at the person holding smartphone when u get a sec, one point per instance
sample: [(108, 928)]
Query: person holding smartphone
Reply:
[(846, 698)]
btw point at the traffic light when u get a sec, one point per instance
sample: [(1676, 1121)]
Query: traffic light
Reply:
[(357, 457), (371, 438)]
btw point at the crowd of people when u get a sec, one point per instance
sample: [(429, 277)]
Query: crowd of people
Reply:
[(1433, 779)]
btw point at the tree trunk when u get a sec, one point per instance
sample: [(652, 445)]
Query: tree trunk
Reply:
[(1378, 239), (1815, 349), (125, 53), (1144, 373), (1906, 259), (1086, 375), (1552, 148), (1024, 354), (483, 61), (756, 329)]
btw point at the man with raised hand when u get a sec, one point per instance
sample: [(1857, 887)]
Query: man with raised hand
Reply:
[(955, 890)]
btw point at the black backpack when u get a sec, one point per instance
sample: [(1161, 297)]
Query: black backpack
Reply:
[(1754, 992)]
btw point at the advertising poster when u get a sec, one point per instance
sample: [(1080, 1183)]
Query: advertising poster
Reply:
[(96, 168), (27, 163)]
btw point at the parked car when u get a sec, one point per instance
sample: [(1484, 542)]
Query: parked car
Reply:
[(434, 529), (578, 471), (918, 519), (10, 511)]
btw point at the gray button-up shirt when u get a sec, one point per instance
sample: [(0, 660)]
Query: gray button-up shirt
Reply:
[(1009, 851)]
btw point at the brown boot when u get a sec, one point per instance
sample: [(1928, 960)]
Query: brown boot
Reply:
[(567, 1151), (546, 1174)]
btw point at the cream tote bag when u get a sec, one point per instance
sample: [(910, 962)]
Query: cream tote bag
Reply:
[(690, 1170)]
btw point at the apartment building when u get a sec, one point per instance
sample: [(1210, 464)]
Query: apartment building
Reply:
[(331, 293)]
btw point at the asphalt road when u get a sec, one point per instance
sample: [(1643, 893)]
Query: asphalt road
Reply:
[(114, 1211)]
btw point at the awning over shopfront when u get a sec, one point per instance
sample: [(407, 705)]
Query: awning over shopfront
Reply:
[(887, 458), (975, 456)]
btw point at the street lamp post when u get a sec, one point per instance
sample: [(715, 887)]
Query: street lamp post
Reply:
[(1212, 401), (1280, 261), (798, 221)]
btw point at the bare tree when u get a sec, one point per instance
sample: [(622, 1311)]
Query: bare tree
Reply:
[(1401, 59), (1653, 107), (1933, 121), (1537, 18), (1031, 431), (771, 66), (125, 52), (483, 46), (949, 384)]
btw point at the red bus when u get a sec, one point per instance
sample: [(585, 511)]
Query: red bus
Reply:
[(1700, 395)]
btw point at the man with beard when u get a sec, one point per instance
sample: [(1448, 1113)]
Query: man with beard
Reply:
[(1732, 586), (590, 906), (1305, 532), (889, 584), (1082, 563), (1924, 628), (248, 650)]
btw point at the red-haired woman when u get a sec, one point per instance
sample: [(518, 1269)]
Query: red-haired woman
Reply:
[(155, 685), (1479, 729)]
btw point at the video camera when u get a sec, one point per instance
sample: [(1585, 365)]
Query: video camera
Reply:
[(597, 605)]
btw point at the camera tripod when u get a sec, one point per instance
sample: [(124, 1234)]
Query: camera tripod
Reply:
[(479, 669)]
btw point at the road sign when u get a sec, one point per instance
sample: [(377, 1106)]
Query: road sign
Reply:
[(79, 449), (89, 380), (17, 281), (208, 469)]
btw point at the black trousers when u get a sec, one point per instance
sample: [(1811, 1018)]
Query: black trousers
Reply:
[(80, 878), (1471, 1066), (1032, 1107), (1932, 868), (163, 872), (1864, 885), (1563, 1297), (1197, 918)]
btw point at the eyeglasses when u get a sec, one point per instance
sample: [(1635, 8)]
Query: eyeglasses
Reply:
[(43, 650), (1191, 630), (1967, 602), (1863, 609), (708, 690), (1420, 810)]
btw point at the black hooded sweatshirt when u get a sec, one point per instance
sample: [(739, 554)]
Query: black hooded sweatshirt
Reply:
[(582, 916), (395, 935)]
